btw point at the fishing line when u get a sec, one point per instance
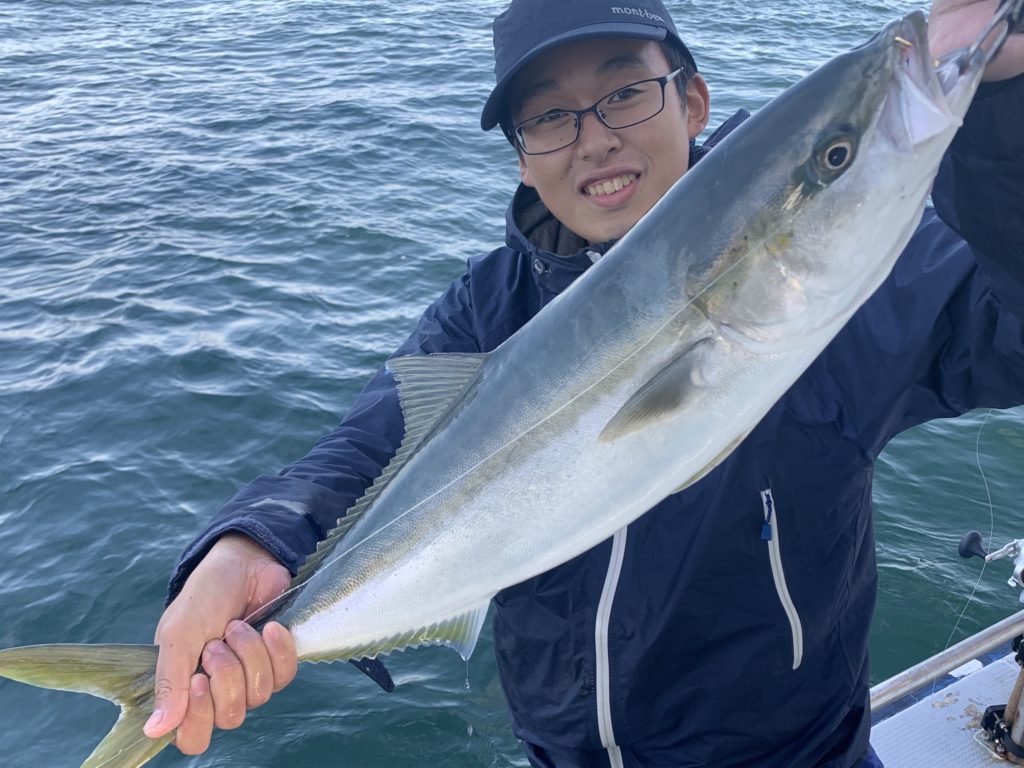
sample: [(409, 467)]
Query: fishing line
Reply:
[(636, 351), (991, 528), (711, 284), (759, 246)]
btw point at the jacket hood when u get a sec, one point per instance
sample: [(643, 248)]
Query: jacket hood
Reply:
[(557, 253)]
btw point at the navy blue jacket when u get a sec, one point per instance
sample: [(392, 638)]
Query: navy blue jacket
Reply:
[(738, 630)]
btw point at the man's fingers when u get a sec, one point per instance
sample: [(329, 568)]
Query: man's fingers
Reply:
[(174, 668), (249, 648), (281, 647), (227, 684), (193, 736), (954, 24), (236, 576)]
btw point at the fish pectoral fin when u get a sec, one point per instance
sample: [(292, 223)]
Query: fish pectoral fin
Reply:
[(376, 671), (669, 390), (124, 674)]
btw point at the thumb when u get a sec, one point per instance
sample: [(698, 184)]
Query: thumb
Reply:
[(214, 594), (175, 666)]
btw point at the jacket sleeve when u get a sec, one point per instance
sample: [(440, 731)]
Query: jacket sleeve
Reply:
[(980, 188), (944, 333), (290, 512)]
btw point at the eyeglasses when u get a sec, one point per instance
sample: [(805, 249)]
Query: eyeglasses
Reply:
[(624, 107)]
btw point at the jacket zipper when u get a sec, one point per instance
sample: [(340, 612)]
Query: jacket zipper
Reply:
[(601, 667), (770, 533)]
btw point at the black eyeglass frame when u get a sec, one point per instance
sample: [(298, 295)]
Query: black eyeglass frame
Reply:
[(517, 138)]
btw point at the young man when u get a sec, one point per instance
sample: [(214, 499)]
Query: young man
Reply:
[(710, 649)]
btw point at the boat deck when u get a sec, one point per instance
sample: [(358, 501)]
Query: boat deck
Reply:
[(938, 730)]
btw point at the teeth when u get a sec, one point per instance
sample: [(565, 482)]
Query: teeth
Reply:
[(608, 186)]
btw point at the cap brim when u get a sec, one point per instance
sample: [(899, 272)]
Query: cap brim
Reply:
[(495, 102)]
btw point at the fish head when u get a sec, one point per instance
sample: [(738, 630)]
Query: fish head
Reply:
[(817, 224)]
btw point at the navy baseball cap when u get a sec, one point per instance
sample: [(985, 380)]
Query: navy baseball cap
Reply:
[(530, 27)]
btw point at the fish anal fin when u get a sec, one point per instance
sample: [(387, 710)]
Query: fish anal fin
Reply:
[(461, 632), (667, 391)]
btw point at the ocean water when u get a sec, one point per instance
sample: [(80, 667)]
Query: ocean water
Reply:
[(216, 219)]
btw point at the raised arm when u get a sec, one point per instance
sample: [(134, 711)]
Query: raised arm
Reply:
[(945, 332)]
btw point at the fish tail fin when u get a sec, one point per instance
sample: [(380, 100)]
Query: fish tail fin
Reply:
[(125, 746), (124, 674)]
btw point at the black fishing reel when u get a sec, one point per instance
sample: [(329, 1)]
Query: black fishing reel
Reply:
[(971, 546)]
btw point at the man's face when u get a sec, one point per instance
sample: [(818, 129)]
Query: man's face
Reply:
[(578, 183)]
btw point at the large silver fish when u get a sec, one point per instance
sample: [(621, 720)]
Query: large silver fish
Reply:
[(631, 385)]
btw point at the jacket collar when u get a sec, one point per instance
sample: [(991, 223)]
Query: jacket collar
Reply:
[(557, 254)]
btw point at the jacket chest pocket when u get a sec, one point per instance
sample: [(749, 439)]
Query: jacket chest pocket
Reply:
[(771, 535)]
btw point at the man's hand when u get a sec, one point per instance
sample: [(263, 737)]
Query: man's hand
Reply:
[(957, 23), (241, 668)]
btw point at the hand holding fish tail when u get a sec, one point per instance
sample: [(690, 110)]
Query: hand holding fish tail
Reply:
[(956, 24), (241, 667)]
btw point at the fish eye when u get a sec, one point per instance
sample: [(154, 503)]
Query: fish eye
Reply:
[(832, 155), (837, 154)]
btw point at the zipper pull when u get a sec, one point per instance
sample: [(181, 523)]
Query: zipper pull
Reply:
[(768, 503)]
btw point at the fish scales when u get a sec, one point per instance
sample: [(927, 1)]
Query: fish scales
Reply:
[(748, 290)]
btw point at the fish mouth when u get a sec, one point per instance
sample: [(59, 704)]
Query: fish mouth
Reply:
[(916, 111)]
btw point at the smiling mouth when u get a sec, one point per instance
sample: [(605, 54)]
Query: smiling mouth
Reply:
[(609, 186)]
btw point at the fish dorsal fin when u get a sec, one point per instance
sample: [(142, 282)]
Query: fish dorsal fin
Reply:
[(665, 392), (430, 390)]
